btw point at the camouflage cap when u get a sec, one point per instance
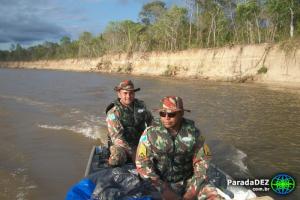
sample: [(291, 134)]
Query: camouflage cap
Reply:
[(171, 104), (126, 85)]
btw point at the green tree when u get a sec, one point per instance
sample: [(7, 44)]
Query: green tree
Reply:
[(73, 49), (4, 55), (170, 31), (64, 46), (247, 18), (151, 12), (124, 36), (19, 52), (98, 46), (214, 25), (191, 4), (51, 50), (85, 45), (281, 17)]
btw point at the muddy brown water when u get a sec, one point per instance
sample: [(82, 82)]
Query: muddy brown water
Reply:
[(49, 121)]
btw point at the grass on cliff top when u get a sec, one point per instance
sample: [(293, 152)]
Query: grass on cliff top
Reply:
[(290, 46)]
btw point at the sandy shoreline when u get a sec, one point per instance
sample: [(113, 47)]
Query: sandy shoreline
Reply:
[(254, 63)]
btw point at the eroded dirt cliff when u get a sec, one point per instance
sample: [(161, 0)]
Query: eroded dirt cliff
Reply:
[(259, 63)]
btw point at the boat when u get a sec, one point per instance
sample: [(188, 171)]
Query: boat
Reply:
[(104, 182)]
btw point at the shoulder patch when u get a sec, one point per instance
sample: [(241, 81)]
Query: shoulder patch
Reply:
[(143, 138), (140, 110), (206, 150), (111, 116), (142, 151)]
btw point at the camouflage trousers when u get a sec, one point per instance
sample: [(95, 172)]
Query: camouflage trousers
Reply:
[(206, 192)]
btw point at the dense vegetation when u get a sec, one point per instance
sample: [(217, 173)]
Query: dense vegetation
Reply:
[(200, 24)]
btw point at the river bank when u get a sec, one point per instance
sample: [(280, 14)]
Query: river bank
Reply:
[(256, 63)]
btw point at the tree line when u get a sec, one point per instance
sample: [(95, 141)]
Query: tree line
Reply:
[(199, 24)]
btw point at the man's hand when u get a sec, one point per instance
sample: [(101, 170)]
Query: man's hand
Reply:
[(168, 193), (210, 193), (117, 156), (188, 196)]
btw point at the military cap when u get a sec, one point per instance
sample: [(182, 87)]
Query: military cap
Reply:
[(171, 104), (126, 85)]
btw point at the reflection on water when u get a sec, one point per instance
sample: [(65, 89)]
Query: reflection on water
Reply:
[(51, 119)]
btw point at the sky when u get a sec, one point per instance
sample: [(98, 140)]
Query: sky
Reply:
[(31, 22)]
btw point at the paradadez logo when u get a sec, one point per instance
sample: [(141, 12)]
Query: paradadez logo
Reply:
[(283, 184)]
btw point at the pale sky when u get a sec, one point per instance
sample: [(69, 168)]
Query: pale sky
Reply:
[(29, 22)]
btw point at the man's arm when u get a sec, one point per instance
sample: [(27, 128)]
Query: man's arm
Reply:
[(144, 161), (201, 159), (116, 130), (145, 167)]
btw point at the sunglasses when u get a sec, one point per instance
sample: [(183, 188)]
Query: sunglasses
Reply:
[(164, 114)]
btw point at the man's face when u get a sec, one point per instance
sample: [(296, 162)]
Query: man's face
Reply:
[(171, 120), (126, 97)]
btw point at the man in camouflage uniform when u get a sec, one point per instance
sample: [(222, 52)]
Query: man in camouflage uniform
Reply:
[(173, 156), (127, 118)]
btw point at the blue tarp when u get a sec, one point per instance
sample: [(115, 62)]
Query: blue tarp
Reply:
[(112, 183), (83, 190)]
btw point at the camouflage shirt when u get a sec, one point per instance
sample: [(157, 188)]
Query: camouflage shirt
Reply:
[(127, 123), (162, 157)]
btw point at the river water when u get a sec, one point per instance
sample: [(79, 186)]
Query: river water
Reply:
[(49, 121)]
